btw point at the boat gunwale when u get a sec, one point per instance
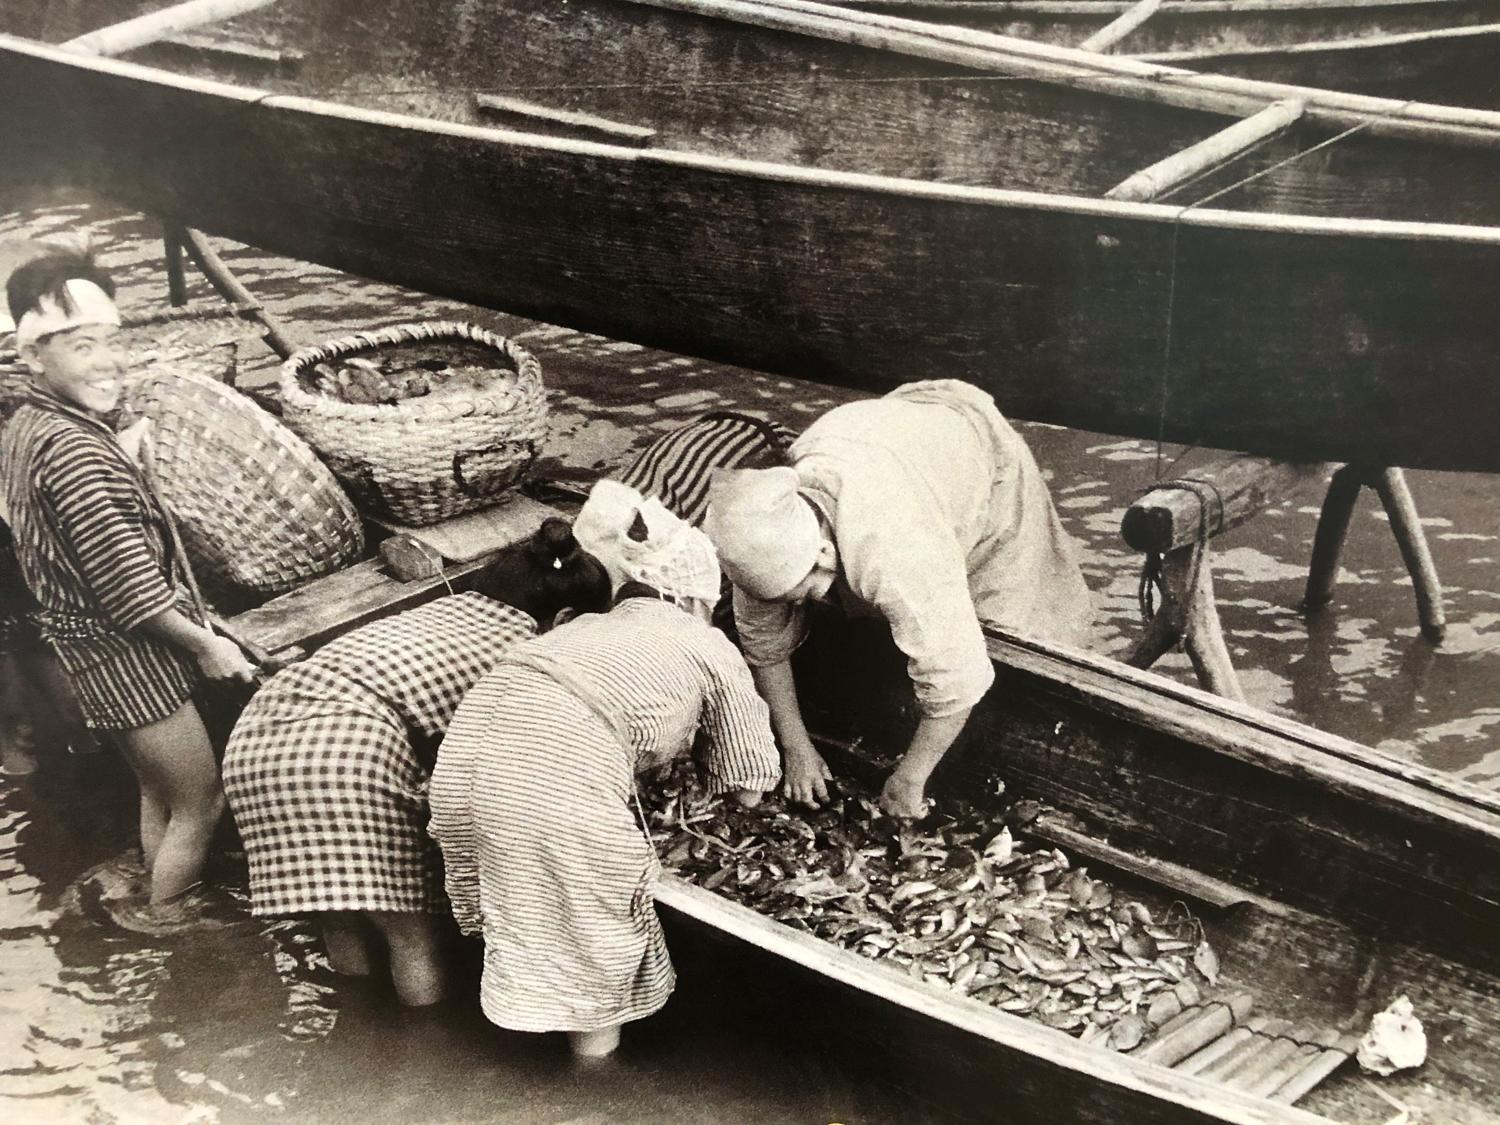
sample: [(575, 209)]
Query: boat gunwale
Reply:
[(1004, 1029), (1266, 741), (1187, 215), (1119, 7), (1292, 50)]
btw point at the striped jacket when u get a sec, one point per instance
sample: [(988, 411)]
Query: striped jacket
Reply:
[(91, 540)]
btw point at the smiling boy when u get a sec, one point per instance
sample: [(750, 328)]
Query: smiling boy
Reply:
[(94, 547)]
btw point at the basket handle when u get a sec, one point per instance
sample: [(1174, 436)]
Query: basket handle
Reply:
[(463, 456)]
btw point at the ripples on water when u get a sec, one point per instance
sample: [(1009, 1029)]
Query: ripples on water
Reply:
[(101, 1025)]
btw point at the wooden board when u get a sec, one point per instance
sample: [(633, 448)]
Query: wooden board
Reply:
[(1294, 337), (476, 534)]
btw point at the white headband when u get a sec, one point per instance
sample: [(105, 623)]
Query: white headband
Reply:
[(90, 305)]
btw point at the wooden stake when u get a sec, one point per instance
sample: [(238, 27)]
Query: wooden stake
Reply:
[(232, 289), (118, 38), (176, 281), (1121, 26), (1194, 161), (1328, 540), (1394, 494)]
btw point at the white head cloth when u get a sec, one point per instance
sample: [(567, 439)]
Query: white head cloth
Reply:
[(86, 304), (674, 558)]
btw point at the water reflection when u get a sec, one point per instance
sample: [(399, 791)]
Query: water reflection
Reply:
[(247, 1022)]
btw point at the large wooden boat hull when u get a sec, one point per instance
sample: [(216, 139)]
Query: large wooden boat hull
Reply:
[(1340, 876), (1374, 46), (871, 244)]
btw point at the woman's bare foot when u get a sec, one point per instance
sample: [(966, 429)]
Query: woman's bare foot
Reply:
[(594, 1044)]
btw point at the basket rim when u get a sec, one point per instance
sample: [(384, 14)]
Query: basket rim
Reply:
[(294, 396)]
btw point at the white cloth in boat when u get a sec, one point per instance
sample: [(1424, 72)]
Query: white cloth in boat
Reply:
[(531, 804), (941, 519)]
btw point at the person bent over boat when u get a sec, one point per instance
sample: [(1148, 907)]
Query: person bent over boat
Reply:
[(94, 546), (326, 770), (923, 507), (534, 802)]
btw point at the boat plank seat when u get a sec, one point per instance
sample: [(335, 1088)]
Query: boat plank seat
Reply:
[(1173, 523), (324, 608)]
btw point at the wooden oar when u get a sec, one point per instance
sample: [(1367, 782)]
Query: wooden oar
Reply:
[(118, 38)]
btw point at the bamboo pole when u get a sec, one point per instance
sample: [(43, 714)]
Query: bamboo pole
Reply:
[(1264, 1031), (1214, 1050), (118, 38), (1406, 524), (1212, 151), (232, 289), (1266, 1062), (1121, 26), (1205, 1025), (1322, 1065), (1294, 1065)]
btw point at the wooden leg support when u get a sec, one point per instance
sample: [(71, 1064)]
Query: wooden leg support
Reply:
[(1406, 525), (1188, 613), (176, 279)]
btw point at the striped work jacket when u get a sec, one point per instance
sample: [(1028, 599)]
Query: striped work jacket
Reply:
[(92, 542)]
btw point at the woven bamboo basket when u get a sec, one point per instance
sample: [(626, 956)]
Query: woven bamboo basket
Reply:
[(418, 460), (258, 511)]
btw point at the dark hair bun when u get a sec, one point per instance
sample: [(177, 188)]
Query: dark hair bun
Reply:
[(554, 540)]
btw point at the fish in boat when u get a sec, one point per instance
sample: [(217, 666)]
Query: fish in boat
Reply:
[(1323, 878), (844, 197), (1436, 50)]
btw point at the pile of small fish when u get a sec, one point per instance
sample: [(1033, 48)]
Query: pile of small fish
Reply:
[(385, 380), (955, 901)]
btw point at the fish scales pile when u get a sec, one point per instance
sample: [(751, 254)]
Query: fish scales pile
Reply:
[(955, 901)]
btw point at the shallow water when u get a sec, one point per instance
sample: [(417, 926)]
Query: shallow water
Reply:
[(245, 1021)]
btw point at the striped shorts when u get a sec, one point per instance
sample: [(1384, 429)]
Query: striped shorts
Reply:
[(136, 684)]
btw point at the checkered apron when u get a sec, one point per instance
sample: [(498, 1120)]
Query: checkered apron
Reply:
[(326, 771)]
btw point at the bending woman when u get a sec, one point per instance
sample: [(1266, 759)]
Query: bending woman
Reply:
[(326, 771), (533, 797)]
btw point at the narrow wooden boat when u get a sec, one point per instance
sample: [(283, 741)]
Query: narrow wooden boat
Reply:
[(847, 198), (1330, 877), (1408, 48)]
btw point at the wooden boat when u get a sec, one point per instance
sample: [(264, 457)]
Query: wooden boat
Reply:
[(1330, 877), (1406, 48), (849, 199)]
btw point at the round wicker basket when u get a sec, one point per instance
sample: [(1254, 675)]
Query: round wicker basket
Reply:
[(422, 459), (257, 509)]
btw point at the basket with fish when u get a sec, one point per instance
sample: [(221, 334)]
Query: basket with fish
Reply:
[(420, 421)]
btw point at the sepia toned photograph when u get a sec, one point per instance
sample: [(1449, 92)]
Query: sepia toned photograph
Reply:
[(806, 562)]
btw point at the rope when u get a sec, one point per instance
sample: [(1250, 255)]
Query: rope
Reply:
[(1206, 493)]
